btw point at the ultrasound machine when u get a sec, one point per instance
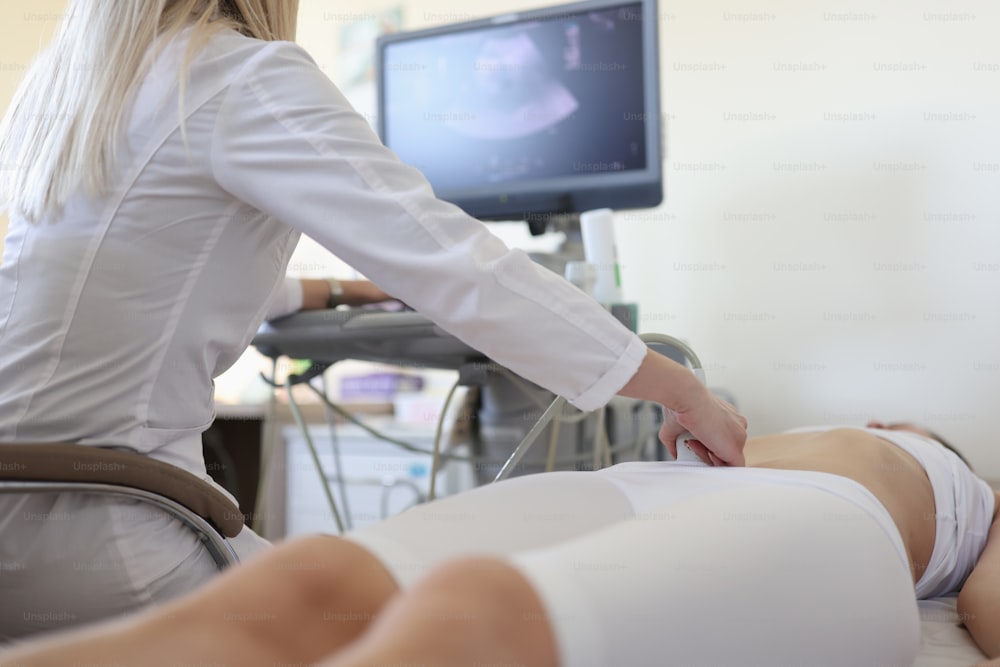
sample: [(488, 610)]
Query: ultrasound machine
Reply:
[(534, 117)]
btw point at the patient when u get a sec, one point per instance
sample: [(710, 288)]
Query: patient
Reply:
[(813, 554)]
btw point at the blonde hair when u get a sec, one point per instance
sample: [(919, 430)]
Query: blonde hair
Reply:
[(62, 130)]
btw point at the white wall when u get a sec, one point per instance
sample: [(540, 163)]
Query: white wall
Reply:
[(836, 257), (830, 242)]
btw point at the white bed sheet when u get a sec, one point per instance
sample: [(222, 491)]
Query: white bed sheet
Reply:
[(944, 641)]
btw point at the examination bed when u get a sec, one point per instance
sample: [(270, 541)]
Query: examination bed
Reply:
[(944, 642)]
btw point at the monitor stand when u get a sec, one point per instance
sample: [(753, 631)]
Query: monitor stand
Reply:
[(570, 250)]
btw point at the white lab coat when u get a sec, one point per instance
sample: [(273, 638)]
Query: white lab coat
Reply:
[(287, 300), (116, 314)]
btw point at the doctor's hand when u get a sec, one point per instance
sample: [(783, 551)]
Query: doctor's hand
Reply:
[(317, 294), (719, 431)]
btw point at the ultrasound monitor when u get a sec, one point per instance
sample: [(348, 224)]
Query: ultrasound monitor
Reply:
[(526, 115)]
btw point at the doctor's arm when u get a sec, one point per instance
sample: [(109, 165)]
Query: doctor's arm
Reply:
[(979, 600), (292, 146), (691, 407), (316, 294), (297, 294)]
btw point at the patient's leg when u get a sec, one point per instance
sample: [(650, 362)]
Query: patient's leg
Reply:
[(519, 514), (472, 611), (299, 602), (756, 575)]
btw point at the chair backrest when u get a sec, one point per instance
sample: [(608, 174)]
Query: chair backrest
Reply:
[(68, 462)]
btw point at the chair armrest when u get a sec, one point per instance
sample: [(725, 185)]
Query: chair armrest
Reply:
[(68, 462)]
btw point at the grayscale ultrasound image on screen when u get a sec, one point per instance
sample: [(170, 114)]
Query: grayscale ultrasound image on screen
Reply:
[(529, 100)]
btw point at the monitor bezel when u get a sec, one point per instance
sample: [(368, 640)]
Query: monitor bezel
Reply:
[(537, 202)]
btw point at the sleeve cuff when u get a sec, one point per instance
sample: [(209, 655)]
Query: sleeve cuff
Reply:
[(609, 384)]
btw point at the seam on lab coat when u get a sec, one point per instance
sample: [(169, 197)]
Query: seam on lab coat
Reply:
[(181, 302), (17, 279)]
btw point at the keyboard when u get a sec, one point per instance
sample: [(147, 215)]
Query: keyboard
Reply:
[(397, 337)]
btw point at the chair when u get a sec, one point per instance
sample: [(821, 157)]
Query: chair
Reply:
[(67, 467)]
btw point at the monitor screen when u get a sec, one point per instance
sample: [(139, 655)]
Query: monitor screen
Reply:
[(526, 115)]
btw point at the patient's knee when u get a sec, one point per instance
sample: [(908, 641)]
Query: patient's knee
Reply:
[(326, 572)]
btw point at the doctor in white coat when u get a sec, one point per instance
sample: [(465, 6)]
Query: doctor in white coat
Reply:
[(160, 161)]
